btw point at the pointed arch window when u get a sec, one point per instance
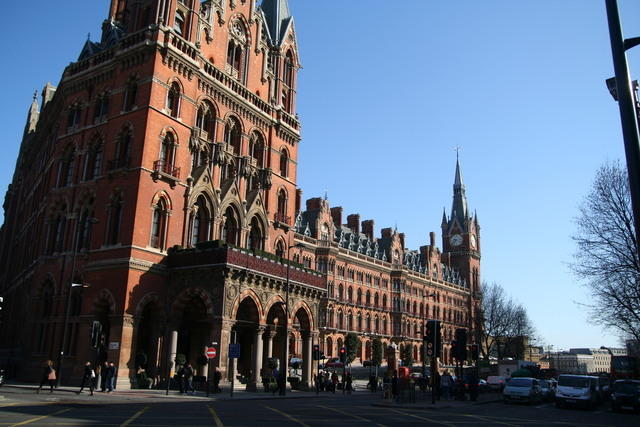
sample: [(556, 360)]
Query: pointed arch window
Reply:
[(165, 164), (281, 213), (65, 168), (280, 249), (230, 232), (159, 224), (173, 100), (86, 226), (237, 51), (200, 222), (284, 163), (93, 164), (179, 24), (58, 228), (101, 109), (73, 117), (256, 149), (115, 218), (130, 95), (289, 78), (123, 149), (205, 121), (256, 235), (233, 135)]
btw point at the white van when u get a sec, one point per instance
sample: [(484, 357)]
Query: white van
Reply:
[(577, 390)]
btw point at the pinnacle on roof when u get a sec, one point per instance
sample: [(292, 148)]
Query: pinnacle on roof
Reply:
[(459, 206), (277, 17)]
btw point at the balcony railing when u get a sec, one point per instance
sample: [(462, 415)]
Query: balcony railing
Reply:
[(282, 218), (162, 166), (118, 163)]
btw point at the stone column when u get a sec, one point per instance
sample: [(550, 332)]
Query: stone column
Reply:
[(256, 360), (123, 335), (268, 347), (307, 360), (173, 349)]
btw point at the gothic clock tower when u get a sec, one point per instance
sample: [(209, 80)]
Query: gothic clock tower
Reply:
[(461, 236)]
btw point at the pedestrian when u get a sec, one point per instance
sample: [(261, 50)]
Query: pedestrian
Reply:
[(348, 382), (276, 376), (48, 376), (334, 382), (436, 384), (217, 376), (104, 369), (473, 387), (109, 376), (88, 378), (394, 385), (188, 378), (181, 373), (445, 384)]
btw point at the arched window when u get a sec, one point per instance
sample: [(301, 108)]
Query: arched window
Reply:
[(384, 326), (115, 218), (368, 299), (284, 163), (324, 231), (167, 155), (376, 324), (86, 226), (233, 135), (280, 249), (256, 235), (340, 292), (159, 224), (384, 302), (376, 300), (93, 164), (179, 24), (173, 100), (206, 121), (281, 214), (359, 300), (359, 324), (236, 56), (123, 149), (200, 222), (58, 228), (230, 230), (65, 168), (130, 95), (101, 108), (340, 320), (288, 90), (256, 149)]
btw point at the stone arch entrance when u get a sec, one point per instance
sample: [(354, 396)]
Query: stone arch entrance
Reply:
[(149, 335), (274, 336), (248, 332), (103, 310), (302, 327)]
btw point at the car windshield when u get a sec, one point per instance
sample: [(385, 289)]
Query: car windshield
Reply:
[(573, 382), (627, 388), (519, 382)]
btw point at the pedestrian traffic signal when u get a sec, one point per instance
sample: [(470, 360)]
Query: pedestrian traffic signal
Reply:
[(343, 354), (316, 352), (475, 351), (433, 339), (96, 330), (461, 338)]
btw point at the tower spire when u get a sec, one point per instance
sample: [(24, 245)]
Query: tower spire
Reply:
[(278, 16), (459, 207)]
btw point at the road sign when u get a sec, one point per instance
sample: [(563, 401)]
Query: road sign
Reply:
[(234, 351), (211, 353)]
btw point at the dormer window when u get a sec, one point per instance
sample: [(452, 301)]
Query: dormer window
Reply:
[(236, 50)]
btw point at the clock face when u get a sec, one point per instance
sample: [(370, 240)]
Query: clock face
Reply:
[(455, 240), (473, 241)]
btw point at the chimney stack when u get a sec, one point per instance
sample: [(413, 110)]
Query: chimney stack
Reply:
[(367, 228), (336, 215), (353, 222), (432, 238)]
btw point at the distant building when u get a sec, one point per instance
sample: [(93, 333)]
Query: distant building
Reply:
[(601, 358), (571, 363)]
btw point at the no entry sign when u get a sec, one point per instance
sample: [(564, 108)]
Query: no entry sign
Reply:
[(211, 352)]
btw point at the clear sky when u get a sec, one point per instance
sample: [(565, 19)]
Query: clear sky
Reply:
[(387, 91)]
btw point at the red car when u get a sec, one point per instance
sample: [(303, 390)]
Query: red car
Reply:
[(334, 362)]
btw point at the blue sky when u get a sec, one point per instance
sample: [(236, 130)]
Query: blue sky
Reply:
[(387, 91)]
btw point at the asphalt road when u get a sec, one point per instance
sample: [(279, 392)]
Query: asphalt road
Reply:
[(23, 407)]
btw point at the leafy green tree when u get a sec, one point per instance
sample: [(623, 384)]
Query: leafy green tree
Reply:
[(376, 351), (407, 355), (352, 343)]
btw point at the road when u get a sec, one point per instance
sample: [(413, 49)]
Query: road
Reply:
[(24, 407)]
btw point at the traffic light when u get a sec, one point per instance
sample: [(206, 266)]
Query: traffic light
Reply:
[(343, 354), (433, 339), (96, 330), (475, 351), (316, 352), (461, 338)]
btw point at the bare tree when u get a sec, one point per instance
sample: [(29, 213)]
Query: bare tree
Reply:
[(607, 255), (503, 322)]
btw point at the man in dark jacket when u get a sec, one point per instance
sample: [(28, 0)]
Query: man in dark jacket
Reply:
[(110, 376), (188, 378), (87, 378)]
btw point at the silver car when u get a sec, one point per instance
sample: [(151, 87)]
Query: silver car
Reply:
[(522, 390)]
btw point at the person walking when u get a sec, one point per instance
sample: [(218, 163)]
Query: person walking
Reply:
[(104, 369), (445, 384), (112, 376), (109, 376), (334, 382), (217, 376), (48, 376), (348, 383), (87, 378), (181, 380), (188, 378)]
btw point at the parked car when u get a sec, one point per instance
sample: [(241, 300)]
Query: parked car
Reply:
[(295, 363), (522, 390), (579, 390), (625, 393), (334, 362), (548, 392), (496, 382), (367, 363)]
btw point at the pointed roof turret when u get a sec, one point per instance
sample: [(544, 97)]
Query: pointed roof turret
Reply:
[(32, 115), (277, 17), (459, 208)]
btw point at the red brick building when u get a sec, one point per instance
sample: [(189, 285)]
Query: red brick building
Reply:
[(166, 164)]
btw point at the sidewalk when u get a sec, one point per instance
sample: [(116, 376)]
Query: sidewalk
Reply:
[(68, 391), (423, 401)]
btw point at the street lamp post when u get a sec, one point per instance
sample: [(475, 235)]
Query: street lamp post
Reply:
[(628, 114), (285, 346), (76, 237)]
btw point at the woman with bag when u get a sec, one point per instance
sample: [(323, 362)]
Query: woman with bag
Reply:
[(48, 375), (88, 378)]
